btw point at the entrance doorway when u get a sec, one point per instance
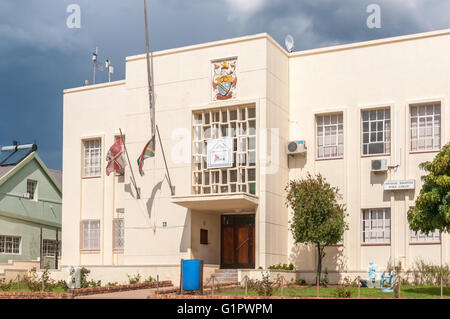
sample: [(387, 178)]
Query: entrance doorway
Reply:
[(237, 241)]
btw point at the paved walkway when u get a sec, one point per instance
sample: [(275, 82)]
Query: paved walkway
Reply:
[(130, 294)]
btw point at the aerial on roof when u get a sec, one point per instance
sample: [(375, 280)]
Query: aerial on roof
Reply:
[(12, 155)]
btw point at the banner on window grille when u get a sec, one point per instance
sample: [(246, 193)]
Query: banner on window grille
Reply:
[(219, 153)]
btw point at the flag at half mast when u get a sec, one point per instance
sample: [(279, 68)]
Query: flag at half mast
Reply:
[(148, 151)]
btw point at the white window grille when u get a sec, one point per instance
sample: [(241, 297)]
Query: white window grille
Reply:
[(92, 157), (31, 189), (376, 225), (90, 234), (119, 233), (425, 127), (330, 136), (419, 237), (238, 122), (49, 247), (9, 245), (376, 131)]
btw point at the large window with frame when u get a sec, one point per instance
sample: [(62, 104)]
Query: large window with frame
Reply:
[(330, 136), (376, 131), (425, 123), (239, 123), (92, 157), (9, 244), (90, 234), (376, 226)]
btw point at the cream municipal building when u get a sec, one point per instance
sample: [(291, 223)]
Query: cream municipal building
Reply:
[(364, 115)]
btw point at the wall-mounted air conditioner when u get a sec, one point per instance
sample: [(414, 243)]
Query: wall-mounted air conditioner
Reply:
[(296, 147), (379, 165)]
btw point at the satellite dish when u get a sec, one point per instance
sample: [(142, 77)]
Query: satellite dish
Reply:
[(289, 43)]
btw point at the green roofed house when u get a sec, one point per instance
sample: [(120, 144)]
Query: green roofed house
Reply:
[(30, 208)]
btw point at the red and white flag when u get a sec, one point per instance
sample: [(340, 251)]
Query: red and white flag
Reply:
[(115, 157)]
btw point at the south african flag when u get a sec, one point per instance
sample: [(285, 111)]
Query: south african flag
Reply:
[(149, 151)]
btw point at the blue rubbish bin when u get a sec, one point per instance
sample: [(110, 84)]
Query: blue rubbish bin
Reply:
[(191, 274)]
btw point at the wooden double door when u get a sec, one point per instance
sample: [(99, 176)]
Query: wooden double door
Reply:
[(238, 241)]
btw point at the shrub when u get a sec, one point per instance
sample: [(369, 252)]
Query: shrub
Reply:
[(84, 273), (150, 279), (342, 292), (112, 284), (263, 287), (6, 286), (324, 281), (427, 274), (134, 279), (282, 267)]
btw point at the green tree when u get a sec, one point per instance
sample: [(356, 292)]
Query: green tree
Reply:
[(432, 209), (318, 218)]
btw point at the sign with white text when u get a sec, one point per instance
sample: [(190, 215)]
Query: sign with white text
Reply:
[(398, 185)]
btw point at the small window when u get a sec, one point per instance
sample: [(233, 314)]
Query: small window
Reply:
[(92, 157), (119, 233), (330, 136), (204, 236), (90, 234), (376, 132), (31, 189), (9, 245), (49, 247)]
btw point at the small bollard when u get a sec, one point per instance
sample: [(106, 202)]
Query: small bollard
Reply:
[(157, 284), (42, 279), (246, 290), (212, 288), (18, 283)]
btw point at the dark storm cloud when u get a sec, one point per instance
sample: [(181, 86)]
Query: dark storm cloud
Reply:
[(40, 56)]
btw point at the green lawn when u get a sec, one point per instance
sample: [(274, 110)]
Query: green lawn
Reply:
[(23, 287), (421, 292)]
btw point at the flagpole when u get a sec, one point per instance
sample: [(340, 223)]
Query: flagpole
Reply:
[(165, 163), (131, 167), (149, 74)]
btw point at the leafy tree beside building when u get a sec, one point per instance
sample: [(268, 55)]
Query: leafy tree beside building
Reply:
[(318, 218), (432, 209)]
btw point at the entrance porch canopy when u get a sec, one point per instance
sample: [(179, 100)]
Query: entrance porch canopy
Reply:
[(236, 202)]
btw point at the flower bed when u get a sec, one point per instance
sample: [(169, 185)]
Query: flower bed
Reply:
[(102, 290)]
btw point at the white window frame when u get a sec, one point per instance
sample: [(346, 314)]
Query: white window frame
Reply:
[(32, 189), (4, 241), (429, 114), (374, 117), (378, 230), (324, 123), (50, 243), (92, 232), (92, 157), (118, 234)]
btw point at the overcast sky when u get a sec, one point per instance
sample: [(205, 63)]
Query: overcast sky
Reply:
[(40, 56)]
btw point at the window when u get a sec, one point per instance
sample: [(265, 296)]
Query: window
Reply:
[(376, 225), (330, 138), (9, 245), (238, 123), (31, 189), (426, 127), (419, 237), (376, 129), (92, 157), (49, 247), (204, 236), (90, 234), (119, 233)]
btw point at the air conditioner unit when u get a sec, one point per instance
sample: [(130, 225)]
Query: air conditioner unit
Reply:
[(296, 147), (379, 165), (26, 195)]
